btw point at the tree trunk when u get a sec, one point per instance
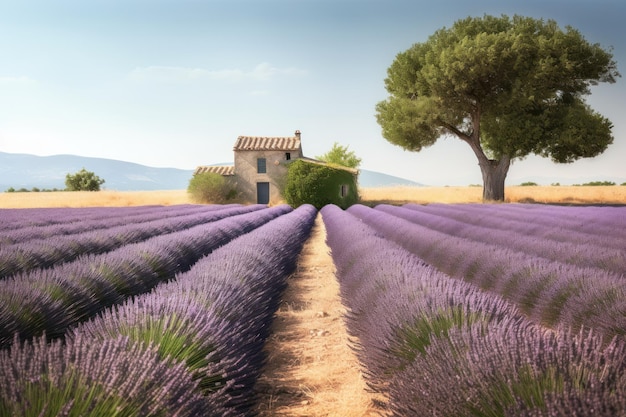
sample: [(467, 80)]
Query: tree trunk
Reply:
[(494, 171), (494, 174)]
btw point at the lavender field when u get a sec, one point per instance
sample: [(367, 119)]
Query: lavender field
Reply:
[(453, 309), (486, 310), (140, 311)]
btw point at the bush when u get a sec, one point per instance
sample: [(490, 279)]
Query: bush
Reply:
[(319, 185), (83, 180), (599, 183), (528, 184), (209, 187)]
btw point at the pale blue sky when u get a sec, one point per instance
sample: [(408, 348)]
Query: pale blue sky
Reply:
[(172, 83)]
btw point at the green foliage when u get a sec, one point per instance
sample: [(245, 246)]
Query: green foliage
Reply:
[(174, 338), (509, 87), (209, 187), (528, 184), (599, 183), (83, 180), (71, 395), (530, 386), (34, 189), (340, 155), (414, 338), (319, 185)]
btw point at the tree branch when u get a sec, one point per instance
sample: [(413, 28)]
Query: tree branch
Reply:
[(455, 131)]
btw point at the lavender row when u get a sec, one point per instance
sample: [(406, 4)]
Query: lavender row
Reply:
[(550, 293), (587, 223), (80, 378), (439, 346), (560, 225), (212, 321), (11, 219), (51, 300), (569, 249), (43, 253), (385, 287), (102, 221), (589, 218)]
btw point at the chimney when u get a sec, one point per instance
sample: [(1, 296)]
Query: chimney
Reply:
[(298, 134)]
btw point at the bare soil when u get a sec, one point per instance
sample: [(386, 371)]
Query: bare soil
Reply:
[(311, 368)]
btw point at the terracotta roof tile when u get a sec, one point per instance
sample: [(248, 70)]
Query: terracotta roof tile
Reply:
[(261, 143), (217, 169)]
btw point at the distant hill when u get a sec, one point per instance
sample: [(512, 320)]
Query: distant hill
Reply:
[(48, 172), (373, 179)]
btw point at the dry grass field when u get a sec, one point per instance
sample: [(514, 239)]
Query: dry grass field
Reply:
[(93, 199), (516, 194), (393, 195)]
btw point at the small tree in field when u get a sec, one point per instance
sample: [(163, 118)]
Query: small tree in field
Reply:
[(507, 87), (83, 180), (209, 187), (340, 155)]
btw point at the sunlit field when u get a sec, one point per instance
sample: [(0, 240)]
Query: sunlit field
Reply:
[(515, 194), (93, 199), (370, 196)]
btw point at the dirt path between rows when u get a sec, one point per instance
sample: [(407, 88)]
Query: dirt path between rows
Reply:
[(311, 369)]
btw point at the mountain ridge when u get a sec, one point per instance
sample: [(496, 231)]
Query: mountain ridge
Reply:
[(27, 171)]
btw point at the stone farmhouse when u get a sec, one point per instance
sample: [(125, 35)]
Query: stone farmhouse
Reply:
[(260, 168)]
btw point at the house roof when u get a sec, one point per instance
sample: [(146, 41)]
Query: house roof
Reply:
[(216, 169), (262, 143)]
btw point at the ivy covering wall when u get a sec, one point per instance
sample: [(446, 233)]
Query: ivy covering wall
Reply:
[(319, 185)]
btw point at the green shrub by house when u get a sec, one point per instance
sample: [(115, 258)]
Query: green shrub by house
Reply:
[(209, 187), (319, 185)]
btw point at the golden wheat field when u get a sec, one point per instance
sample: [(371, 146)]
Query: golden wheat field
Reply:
[(93, 199), (515, 194), (393, 195)]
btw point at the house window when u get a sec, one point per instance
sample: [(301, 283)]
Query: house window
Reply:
[(344, 190), (261, 165), (287, 156)]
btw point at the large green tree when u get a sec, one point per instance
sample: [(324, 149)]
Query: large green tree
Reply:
[(508, 87)]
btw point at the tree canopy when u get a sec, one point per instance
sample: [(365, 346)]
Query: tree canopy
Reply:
[(340, 155), (508, 87), (83, 180)]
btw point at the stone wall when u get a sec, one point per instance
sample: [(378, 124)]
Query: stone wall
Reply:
[(248, 177)]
